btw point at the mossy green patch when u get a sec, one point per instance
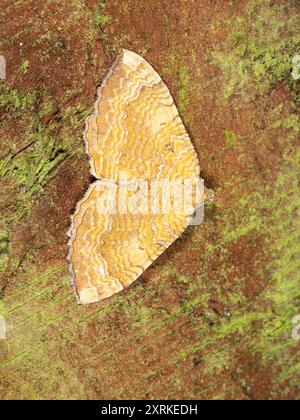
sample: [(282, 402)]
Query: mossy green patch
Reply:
[(48, 106), (231, 140), (292, 122), (217, 361), (4, 241), (260, 48), (25, 66), (101, 19), (139, 316), (32, 169), (4, 247), (14, 101), (32, 166), (296, 67)]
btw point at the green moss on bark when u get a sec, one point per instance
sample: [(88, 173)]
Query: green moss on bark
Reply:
[(260, 50)]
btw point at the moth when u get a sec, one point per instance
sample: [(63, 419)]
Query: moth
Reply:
[(147, 186)]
